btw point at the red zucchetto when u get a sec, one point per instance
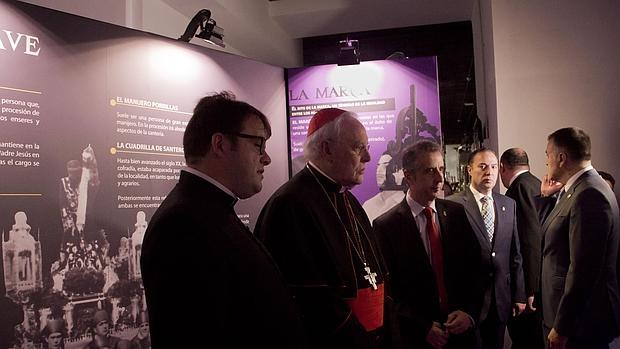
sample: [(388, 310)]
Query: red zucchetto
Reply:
[(322, 117)]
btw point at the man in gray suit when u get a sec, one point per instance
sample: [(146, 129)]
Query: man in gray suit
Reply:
[(580, 297), (493, 218)]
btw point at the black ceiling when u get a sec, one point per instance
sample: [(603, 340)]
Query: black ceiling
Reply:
[(452, 43)]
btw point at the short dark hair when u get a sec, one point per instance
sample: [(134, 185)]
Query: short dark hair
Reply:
[(215, 113), (574, 141), (514, 157), (608, 177), (413, 153), (476, 152)]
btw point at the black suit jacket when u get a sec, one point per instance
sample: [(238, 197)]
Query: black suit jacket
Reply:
[(501, 270), (205, 275), (579, 268), (524, 190), (413, 284)]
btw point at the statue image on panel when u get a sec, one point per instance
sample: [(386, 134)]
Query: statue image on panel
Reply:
[(410, 128), (22, 258)]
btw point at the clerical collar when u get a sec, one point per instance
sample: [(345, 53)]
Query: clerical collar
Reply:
[(211, 180), (574, 177), (328, 182)]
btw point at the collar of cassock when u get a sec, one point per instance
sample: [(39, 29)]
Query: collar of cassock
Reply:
[(327, 182), (227, 195)]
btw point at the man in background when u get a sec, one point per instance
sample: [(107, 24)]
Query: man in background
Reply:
[(523, 187), (54, 334), (493, 218), (580, 296), (195, 238), (102, 338)]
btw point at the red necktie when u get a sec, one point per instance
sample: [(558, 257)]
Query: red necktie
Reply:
[(436, 258)]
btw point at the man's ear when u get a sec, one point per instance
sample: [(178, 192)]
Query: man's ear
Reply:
[(469, 170), (218, 144), (562, 157), (409, 176)]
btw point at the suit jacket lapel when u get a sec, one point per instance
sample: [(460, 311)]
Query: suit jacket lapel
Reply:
[(442, 218), (566, 199), (411, 228), (554, 212), (500, 213), (471, 207)]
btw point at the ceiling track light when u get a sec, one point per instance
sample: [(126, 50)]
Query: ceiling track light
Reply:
[(209, 31), (349, 52)]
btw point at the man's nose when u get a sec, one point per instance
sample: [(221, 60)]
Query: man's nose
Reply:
[(265, 158), (365, 156)]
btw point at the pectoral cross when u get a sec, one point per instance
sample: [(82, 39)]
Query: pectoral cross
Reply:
[(371, 277)]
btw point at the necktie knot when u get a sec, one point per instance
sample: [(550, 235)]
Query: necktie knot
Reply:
[(428, 213), (485, 199)]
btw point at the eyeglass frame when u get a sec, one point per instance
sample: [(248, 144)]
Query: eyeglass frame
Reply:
[(263, 140)]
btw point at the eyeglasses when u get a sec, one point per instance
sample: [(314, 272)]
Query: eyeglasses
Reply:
[(262, 140)]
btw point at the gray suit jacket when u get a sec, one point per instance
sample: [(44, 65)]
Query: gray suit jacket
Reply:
[(579, 268), (501, 270)]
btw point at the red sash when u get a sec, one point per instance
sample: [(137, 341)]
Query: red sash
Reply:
[(368, 307)]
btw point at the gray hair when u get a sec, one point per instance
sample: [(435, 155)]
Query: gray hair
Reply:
[(412, 154)]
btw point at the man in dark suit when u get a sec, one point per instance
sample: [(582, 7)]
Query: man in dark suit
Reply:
[(433, 258), (580, 297), (523, 187), (493, 219), (195, 238)]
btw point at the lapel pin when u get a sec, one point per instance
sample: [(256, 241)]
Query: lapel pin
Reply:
[(503, 208), (444, 213), (569, 195)]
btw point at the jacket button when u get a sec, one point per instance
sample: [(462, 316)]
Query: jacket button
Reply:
[(493, 254)]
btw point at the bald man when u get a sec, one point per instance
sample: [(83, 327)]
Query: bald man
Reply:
[(523, 187)]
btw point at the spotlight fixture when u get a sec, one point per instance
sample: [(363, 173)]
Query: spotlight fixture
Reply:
[(349, 52), (209, 31)]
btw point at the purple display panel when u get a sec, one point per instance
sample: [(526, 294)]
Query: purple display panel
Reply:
[(384, 95)]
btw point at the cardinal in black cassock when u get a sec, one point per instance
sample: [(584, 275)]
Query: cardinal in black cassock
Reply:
[(322, 240)]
